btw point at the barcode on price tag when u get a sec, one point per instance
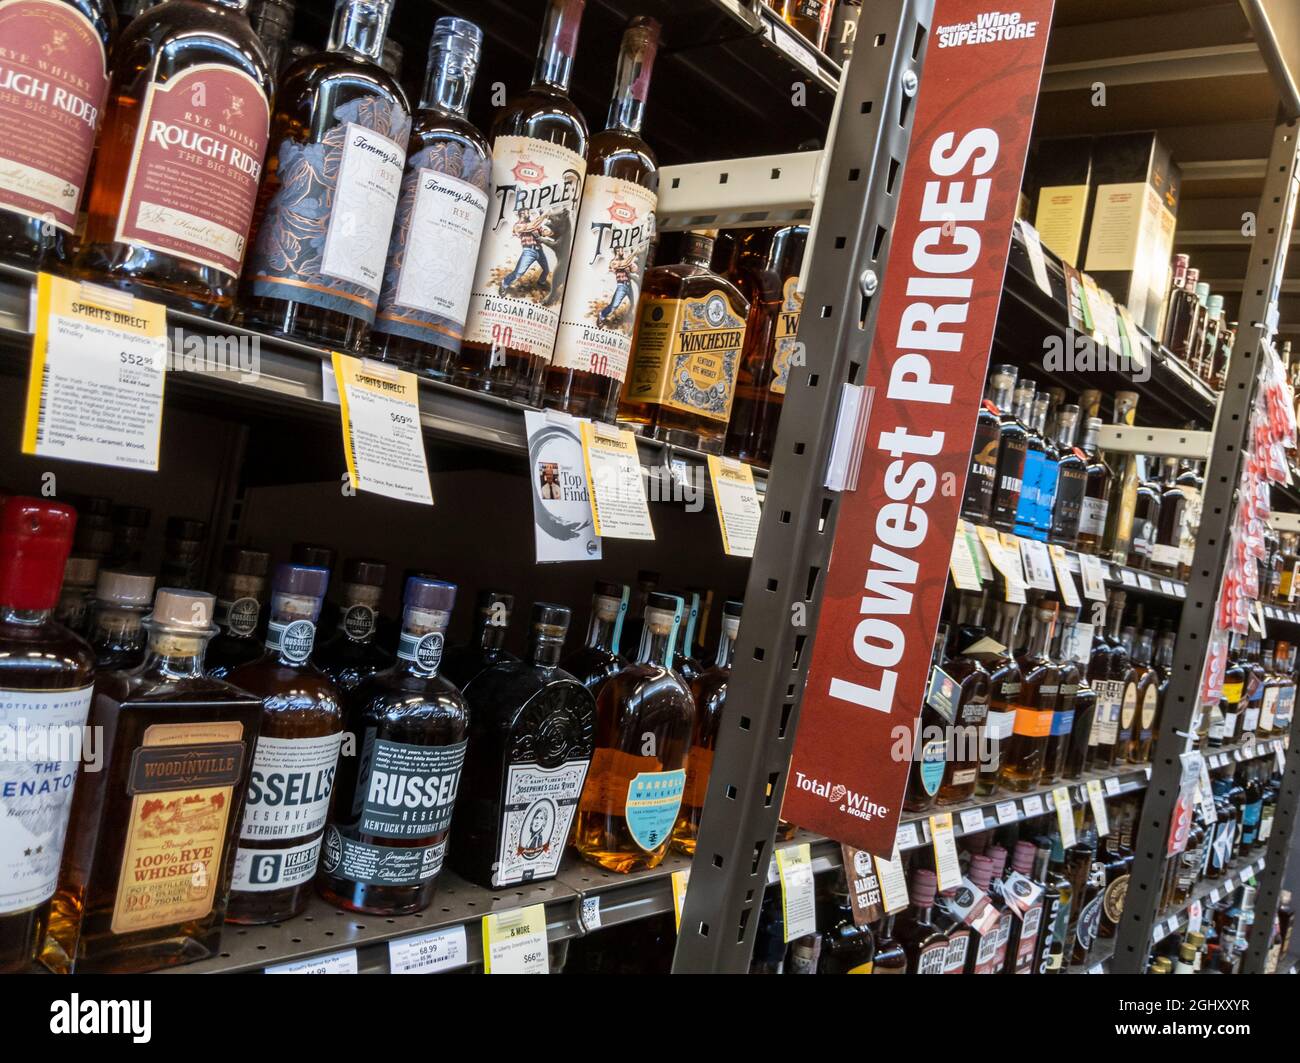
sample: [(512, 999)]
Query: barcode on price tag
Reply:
[(440, 950), (514, 942)]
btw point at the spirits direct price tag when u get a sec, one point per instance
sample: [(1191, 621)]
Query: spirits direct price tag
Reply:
[(963, 566), (1038, 565), (514, 942), (343, 962), (1013, 570), (95, 390), (946, 864), (737, 505), (1098, 802), (798, 890), (614, 482), (1060, 562), (1064, 815), (893, 883), (680, 880), (428, 953), (1033, 805), (383, 440), (1094, 577)]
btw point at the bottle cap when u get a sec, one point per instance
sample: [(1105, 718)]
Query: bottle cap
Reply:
[(981, 870), (366, 573), (183, 610), (241, 561), (80, 571), (428, 594), (1202, 291), (605, 589), (124, 588), (495, 607), (665, 609), (306, 581), (312, 554), (551, 621), (35, 540), (924, 885)]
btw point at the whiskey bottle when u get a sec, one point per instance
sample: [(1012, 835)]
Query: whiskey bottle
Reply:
[(440, 214), (771, 342), (52, 91), (889, 957), (924, 943), (1057, 895), (486, 646), (929, 743), (1118, 536), (184, 548), (647, 582), (532, 726), (539, 162), (1012, 441), (1048, 473), (333, 178), (984, 945), (1035, 456), (689, 336), (1150, 693), (1179, 313), (1026, 888), (1234, 693), (77, 594), (1274, 657), (1166, 547), (1199, 326), (1069, 678), (94, 536), (1115, 680), (971, 704), (1071, 480), (180, 156), (1215, 326), (45, 691), (272, 21), (709, 690), (1146, 514), (117, 633), (146, 872), (353, 653), (598, 660), (960, 936), (1128, 713), (296, 757), (1004, 700), (1096, 495), (1085, 716), (616, 224), (684, 661), (130, 530), (1022, 761), (812, 18), (846, 948), (982, 477), (1190, 483), (645, 716), (241, 597), (1257, 677), (1119, 862), (392, 811)]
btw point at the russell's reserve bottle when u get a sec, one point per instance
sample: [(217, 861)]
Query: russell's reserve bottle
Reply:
[(598, 660), (241, 597)]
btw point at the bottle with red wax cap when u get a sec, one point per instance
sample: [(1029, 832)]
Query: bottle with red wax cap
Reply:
[(984, 943), (925, 944), (1024, 893), (45, 688), (997, 866)]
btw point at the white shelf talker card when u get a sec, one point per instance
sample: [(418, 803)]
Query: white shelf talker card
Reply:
[(613, 467), (1033, 805), (329, 383), (1037, 260), (1098, 802), (680, 880), (514, 942), (440, 950), (947, 866), (95, 388), (737, 504), (1112, 785), (1065, 815), (1007, 812), (972, 821), (342, 962), (893, 883), (963, 566), (798, 890), (564, 528), (1039, 575), (1064, 579), (907, 837), (1094, 577), (383, 439)]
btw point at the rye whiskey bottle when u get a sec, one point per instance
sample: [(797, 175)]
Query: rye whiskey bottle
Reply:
[(531, 735), (616, 223), (146, 872), (117, 633), (391, 819), (333, 177), (689, 335), (53, 83), (539, 162), (352, 653), (486, 646), (45, 688), (684, 660), (296, 757), (1022, 762), (180, 156), (645, 716), (440, 215), (241, 597), (598, 660)]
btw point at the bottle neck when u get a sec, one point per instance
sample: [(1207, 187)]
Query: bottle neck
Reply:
[(449, 81), (631, 84), (544, 650), (491, 637), (172, 656), (419, 648), (27, 617), (359, 28), (726, 645), (1040, 634), (656, 647), (559, 44)]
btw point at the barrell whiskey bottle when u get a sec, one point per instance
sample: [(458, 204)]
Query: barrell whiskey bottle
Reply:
[(930, 741), (392, 812), (117, 633), (180, 156), (1022, 761), (53, 83), (539, 162), (296, 758), (45, 688), (333, 177), (690, 332), (684, 660), (352, 653), (645, 716), (616, 223), (241, 596), (598, 660), (1166, 551), (531, 736), (146, 872), (1146, 514), (709, 690), (440, 215), (486, 646)]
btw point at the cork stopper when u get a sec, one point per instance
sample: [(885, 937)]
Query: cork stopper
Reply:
[(183, 611), (608, 600), (662, 611), (124, 589)]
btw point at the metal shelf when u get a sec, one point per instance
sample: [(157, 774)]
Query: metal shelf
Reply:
[(1210, 891), (1222, 756)]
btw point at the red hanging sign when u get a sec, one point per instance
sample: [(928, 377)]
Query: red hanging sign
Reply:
[(939, 302)]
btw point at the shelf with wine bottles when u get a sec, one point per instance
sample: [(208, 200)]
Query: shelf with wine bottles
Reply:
[(1209, 891)]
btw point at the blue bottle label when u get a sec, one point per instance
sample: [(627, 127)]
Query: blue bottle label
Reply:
[(1063, 722), (1029, 491), (653, 798)]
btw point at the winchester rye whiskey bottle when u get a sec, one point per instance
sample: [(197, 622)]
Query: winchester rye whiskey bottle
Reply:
[(45, 691), (387, 838), (53, 82), (333, 178), (440, 215), (146, 871), (616, 223), (296, 758), (539, 161), (532, 728), (180, 156)]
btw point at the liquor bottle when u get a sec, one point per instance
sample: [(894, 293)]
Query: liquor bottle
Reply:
[(440, 217), (683, 660), (1069, 677), (982, 477), (1123, 679), (486, 647), (1035, 456), (1048, 473), (272, 21), (180, 156), (1096, 495), (1202, 320), (1160, 664), (1234, 691), (1050, 870), (1290, 584), (240, 599), (1085, 716), (146, 878), (333, 179), (846, 947), (985, 945), (1128, 713), (1274, 655), (94, 536), (1187, 864), (890, 958), (1012, 440), (130, 530), (689, 336), (1251, 811), (45, 687), (1118, 536), (1022, 759), (646, 583), (1118, 864), (1166, 548), (771, 342), (924, 943), (812, 18), (769, 938), (970, 703), (960, 935), (1214, 327), (392, 811), (1191, 484), (1005, 700), (1257, 677), (598, 660), (539, 162), (352, 653), (184, 548), (615, 226), (77, 593), (709, 691), (52, 94), (645, 716), (117, 633), (1222, 355), (296, 758), (929, 744), (1088, 923), (1071, 480), (844, 30), (1146, 514), (1025, 888), (1180, 315), (1105, 726), (315, 555)]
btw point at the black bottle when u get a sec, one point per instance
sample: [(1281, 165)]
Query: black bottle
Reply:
[(1012, 443), (487, 645), (599, 659), (982, 477), (1071, 480), (353, 653)]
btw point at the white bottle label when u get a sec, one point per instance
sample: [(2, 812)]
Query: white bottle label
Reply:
[(40, 740), (1092, 516), (289, 787), (370, 180), (263, 870), (538, 809), (446, 227)]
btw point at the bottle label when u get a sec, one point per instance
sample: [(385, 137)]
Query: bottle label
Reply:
[(358, 622), (1092, 517), (325, 233), (238, 618), (523, 264), (53, 80), (1128, 709), (183, 776), (1062, 722), (537, 813), (293, 640), (36, 795), (615, 226), (931, 764), (425, 651), (196, 166), (1268, 708), (1150, 703), (787, 335), (1027, 507), (380, 865), (1011, 467), (1028, 940), (932, 959), (1166, 556), (982, 478), (1085, 930), (436, 237), (1048, 473), (863, 968), (264, 870), (653, 799), (958, 945), (410, 790), (1113, 899), (289, 788), (1067, 507), (687, 351), (1232, 692), (1033, 723)]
